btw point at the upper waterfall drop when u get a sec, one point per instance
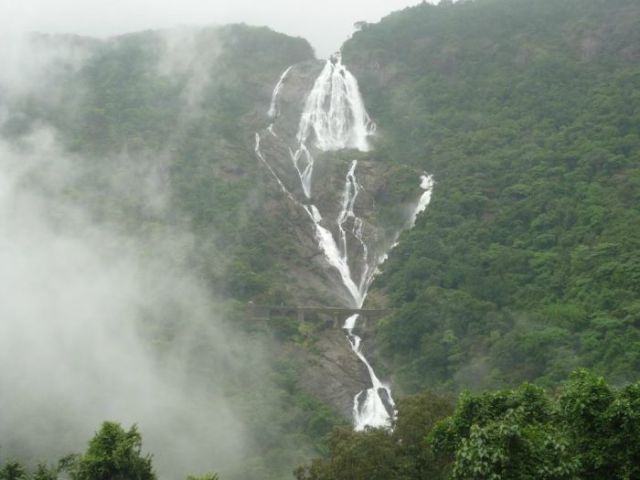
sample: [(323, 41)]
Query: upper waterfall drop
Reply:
[(334, 116)]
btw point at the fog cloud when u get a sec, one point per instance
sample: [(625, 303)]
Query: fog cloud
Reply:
[(71, 348), (97, 324), (101, 320), (326, 24)]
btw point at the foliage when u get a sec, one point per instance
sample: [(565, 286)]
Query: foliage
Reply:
[(524, 433), (114, 454), (603, 426), (358, 456), (12, 471), (588, 431), (176, 111), (508, 434), (382, 453), (206, 476), (525, 265)]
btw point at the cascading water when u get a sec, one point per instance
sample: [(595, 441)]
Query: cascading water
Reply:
[(334, 112), (426, 184), (274, 109), (350, 193), (334, 118)]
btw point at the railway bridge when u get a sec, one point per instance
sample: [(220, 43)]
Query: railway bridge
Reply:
[(338, 314)]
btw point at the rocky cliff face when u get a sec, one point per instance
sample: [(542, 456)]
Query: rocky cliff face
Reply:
[(337, 191)]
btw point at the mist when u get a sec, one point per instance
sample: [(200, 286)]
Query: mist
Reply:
[(101, 323), (325, 24), (102, 318), (70, 337)]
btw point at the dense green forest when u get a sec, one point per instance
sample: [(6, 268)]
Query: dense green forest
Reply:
[(587, 430), (525, 265), (185, 103)]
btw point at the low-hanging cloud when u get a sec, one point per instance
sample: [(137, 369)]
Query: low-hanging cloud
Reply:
[(103, 315), (325, 24), (99, 325), (189, 55)]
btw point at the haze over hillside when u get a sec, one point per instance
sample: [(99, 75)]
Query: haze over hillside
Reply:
[(268, 261), (325, 24)]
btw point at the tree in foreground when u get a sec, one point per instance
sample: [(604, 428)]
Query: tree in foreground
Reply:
[(206, 476), (505, 435), (384, 454), (114, 454), (588, 431), (12, 471)]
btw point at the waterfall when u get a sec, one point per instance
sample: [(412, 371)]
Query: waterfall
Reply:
[(274, 109), (334, 118), (371, 407), (350, 193), (426, 184), (334, 113), (260, 156)]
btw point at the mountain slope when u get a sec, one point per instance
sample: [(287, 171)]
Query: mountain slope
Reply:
[(526, 263), (142, 146)]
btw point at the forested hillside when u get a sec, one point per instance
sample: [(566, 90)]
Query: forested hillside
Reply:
[(143, 144), (526, 263), (179, 106), (587, 431)]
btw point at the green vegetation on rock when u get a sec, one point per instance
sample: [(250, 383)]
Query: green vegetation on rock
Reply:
[(587, 431), (525, 264)]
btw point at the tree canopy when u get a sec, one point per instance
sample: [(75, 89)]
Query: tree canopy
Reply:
[(587, 430), (524, 266)]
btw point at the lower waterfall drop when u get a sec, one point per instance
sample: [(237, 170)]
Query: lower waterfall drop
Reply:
[(375, 407)]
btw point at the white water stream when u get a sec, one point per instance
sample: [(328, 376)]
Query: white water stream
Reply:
[(426, 184), (334, 113), (334, 118), (274, 109)]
